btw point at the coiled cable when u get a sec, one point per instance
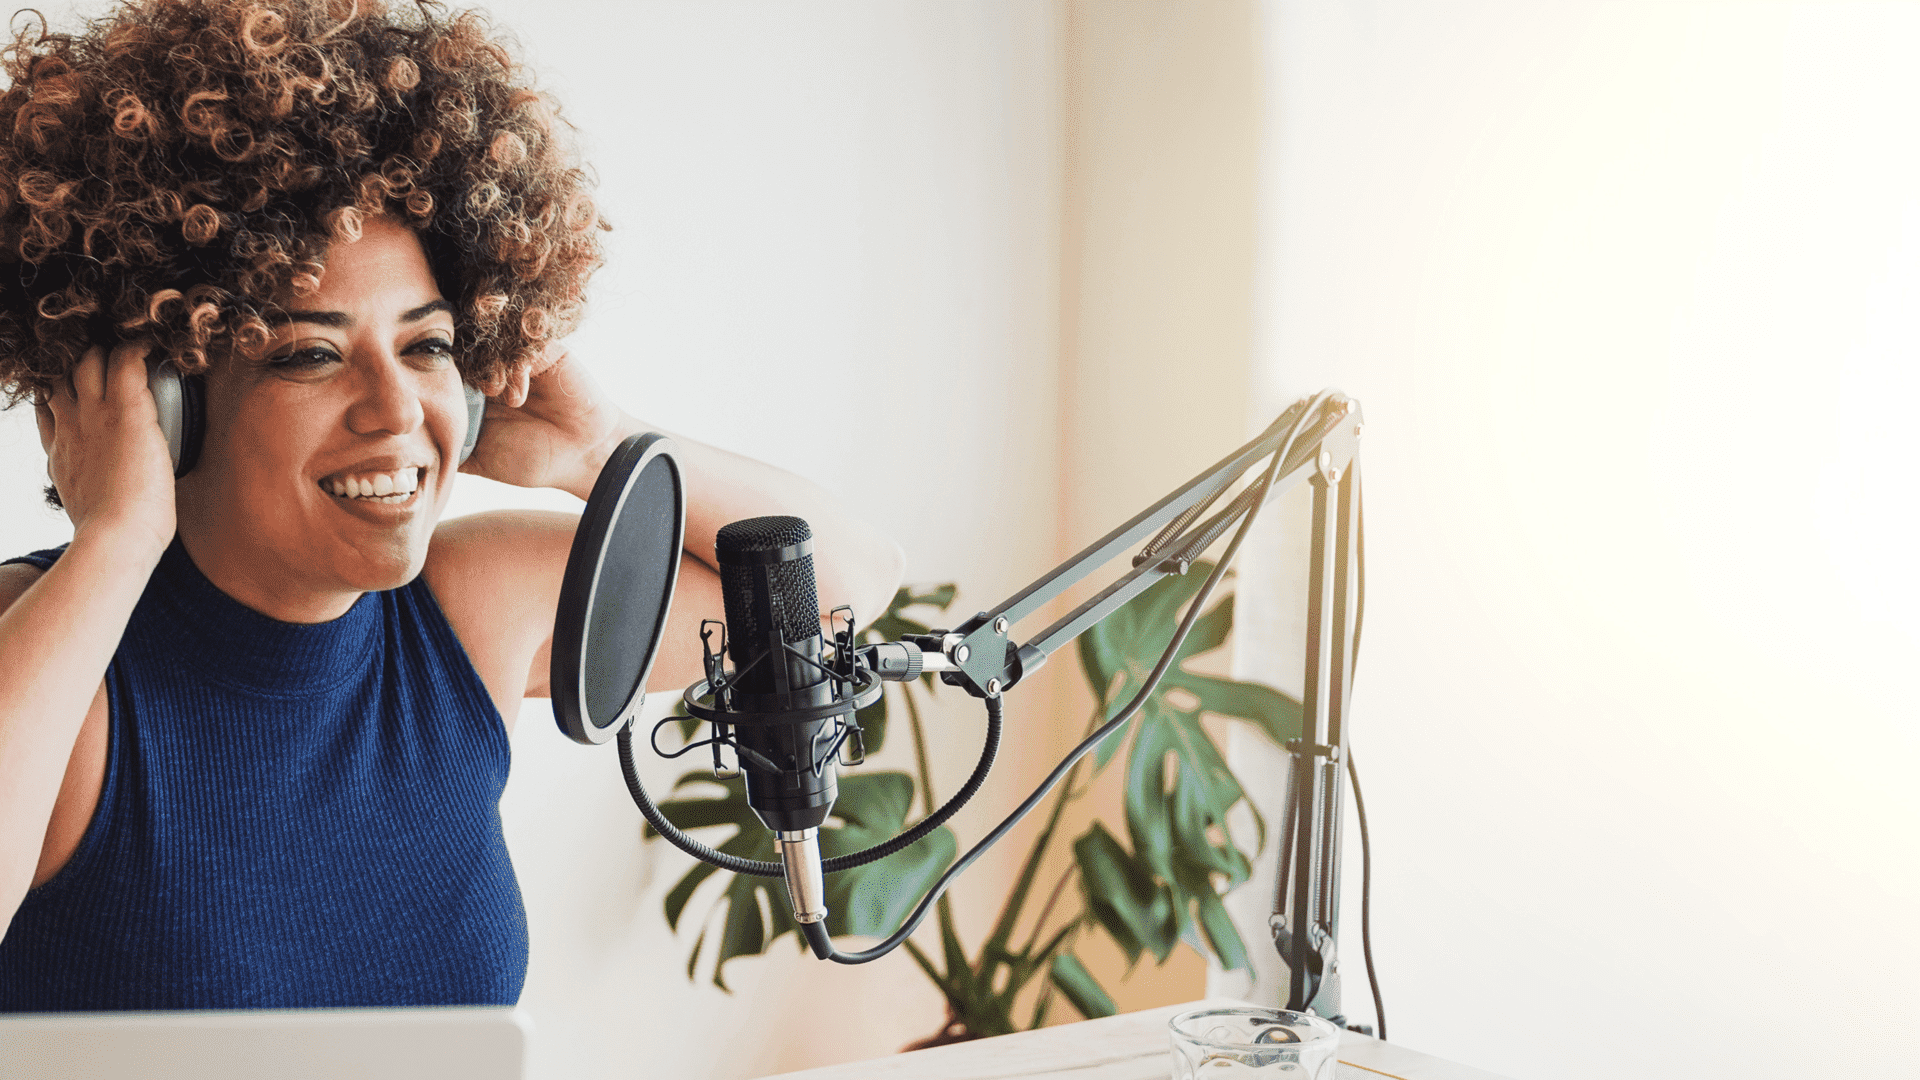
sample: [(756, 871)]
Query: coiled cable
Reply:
[(761, 868)]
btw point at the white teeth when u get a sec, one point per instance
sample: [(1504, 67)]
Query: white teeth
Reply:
[(391, 487)]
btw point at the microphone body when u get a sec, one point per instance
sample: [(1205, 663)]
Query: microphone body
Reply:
[(773, 613)]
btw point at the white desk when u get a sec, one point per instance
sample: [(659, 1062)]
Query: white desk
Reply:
[(1128, 1047)]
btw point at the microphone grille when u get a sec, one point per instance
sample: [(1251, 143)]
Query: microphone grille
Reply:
[(755, 535), (742, 548)]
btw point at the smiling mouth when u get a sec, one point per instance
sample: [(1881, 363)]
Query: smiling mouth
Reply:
[(379, 487)]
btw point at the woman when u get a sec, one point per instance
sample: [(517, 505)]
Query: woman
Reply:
[(253, 720)]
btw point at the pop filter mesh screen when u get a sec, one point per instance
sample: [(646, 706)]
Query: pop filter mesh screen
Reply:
[(631, 598)]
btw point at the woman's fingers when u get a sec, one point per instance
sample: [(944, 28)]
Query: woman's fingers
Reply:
[(90, 375), (106, 455), (127, 370)]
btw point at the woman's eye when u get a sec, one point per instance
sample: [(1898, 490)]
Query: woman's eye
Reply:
[(308, 357), (433, 348)]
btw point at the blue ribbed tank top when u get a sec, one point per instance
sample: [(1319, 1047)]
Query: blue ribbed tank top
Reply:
[(293, 816)]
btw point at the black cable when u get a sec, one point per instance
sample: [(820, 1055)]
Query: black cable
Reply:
[(1353, 772), (1155, 548), (759, 868), (816, 933), (1366, 893)]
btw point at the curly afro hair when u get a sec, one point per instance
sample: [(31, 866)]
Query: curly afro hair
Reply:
[(170, 171)]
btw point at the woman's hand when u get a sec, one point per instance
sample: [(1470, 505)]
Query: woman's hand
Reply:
[(105, 452), (553, 427)]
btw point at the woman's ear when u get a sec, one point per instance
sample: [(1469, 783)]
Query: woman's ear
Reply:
[(43, 419)]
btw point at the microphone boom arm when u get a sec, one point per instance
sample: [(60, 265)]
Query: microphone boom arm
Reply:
[(1324, 433), (1321, 436)]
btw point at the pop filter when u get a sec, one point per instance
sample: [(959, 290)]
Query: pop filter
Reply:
[(617, 589)]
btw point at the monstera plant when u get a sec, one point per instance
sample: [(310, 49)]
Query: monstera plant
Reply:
[(1149, 887)]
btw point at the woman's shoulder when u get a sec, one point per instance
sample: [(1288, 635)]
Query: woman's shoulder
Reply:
[(490, 551), (485, 568), (496, 577)]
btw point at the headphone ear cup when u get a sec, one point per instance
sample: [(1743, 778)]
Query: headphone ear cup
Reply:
[(179, 403), (476, 412), (193, 422)]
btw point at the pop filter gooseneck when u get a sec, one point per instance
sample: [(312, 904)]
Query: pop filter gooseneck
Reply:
[(617, 589)]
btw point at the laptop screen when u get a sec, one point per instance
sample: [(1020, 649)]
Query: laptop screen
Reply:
[(306, 1044)]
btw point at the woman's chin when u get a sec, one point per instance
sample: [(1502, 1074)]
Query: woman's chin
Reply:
[(379, 571), (339, 568)]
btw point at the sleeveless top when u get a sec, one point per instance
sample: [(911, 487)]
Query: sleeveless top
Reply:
[(293, 816)]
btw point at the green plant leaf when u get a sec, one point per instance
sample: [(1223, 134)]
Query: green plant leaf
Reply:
[(693, 958), (682, 892), (686, 722), (868, 900), (893, 625), (1178, 792), (1119, 653), (1109, 746), (873, 900), (873, 723), (955, 951), (1179, 788), (1080, 987), (1122, 896), (1221, 935), (1276, 715)]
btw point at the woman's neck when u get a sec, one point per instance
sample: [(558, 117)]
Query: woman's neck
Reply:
[(267, 585)]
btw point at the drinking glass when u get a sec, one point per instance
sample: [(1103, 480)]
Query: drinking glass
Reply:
[(1254, 1044)]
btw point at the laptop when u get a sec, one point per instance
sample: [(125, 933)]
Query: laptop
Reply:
[(293, 1044)]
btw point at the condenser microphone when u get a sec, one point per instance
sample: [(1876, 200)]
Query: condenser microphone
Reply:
[(774, 641)]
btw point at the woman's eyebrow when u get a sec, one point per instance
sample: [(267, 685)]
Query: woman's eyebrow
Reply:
[(339, 319), (425, 310), (335, 319)]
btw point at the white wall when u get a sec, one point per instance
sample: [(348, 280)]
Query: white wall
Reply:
[(1629, 294), (835, 249)]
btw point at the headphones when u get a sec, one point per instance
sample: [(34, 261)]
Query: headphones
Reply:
[(181, 402)]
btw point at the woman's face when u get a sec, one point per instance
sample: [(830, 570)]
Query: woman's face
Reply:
[(330, 452)]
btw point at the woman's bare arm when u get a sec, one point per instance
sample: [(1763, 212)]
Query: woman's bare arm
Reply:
[(854, 563), (497, 575), (557, 429), (561, 434), (60, 628)]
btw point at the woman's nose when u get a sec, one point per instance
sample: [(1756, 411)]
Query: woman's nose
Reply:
[(388, 400)]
